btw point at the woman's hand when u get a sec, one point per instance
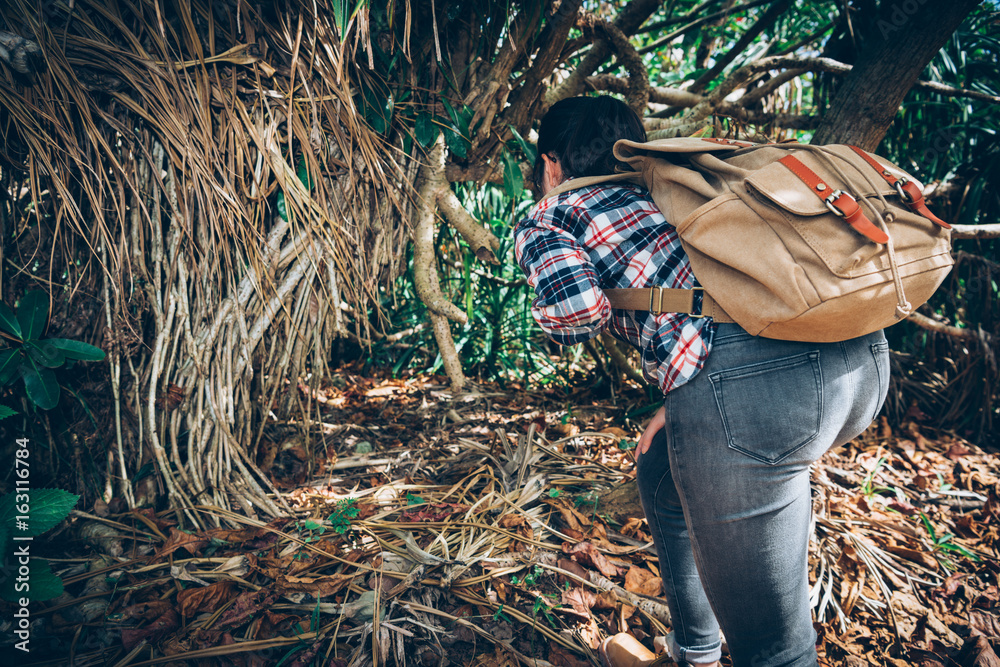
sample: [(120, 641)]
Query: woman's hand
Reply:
[(658, 421)]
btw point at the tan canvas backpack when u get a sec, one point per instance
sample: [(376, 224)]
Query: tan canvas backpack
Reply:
[(790, 241)]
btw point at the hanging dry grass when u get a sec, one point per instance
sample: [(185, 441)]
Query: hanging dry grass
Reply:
[(157, 145)]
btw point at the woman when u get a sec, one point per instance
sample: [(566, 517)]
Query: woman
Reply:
[(723, 466)]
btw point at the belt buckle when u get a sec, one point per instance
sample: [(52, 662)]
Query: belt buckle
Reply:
[(656, 292)]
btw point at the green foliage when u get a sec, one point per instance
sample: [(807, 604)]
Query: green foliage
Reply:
[(32, 357), (25, 514), (944, 543), (340, 519)]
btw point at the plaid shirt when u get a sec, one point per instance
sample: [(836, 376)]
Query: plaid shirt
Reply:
[(573, 245)]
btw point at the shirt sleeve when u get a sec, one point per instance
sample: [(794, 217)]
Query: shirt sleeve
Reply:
[(570, 306)]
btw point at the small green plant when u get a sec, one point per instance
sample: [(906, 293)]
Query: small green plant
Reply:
[(542, 607), (25, 515), (316, 529), (413, 500), (867, 486), (32, 357), (340, 520), (498, 615), (626, 445), (553, 493), (943, 542)]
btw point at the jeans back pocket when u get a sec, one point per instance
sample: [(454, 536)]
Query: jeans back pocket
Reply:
[(771, 409)]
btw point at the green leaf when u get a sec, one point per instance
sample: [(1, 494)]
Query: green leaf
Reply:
[(40, 584), (9, 361), (41, 385), (46, 509), (8, 322), (513, 179), (75, 349), (340, 16), (303, 173), (282, 206), (529, 151), (6, 412), (456, 143), (426, 130), (33, 313), (47, 355), (461, 119)]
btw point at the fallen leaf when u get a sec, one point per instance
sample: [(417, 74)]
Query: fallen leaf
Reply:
[(190, 601), (921, 658), (587, 554), (984, 623), (246, 607), (642, 581), (580, 599), (158, 628), (518, 525), (318, 587), (977, 652), (190, 542), (957, 451), (563, 658), (573, 567)]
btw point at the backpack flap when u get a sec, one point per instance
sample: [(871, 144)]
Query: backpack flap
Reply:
[(784, 259)]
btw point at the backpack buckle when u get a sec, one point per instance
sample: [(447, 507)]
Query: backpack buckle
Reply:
[(903, 194), (834, 196), (655, 294)]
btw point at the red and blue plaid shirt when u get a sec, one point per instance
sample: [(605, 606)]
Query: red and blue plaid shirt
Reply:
[(576, 244)]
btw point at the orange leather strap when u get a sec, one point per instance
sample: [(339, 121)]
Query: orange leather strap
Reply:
[(908, 190), (839, 202)]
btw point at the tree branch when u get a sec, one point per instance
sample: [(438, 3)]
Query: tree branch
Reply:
[(940, 327), (633, 16), (770, 17), (975, 231), (482, 241), (425, 275), (637, 94), (659, 95), (620, 360), (553, 38)]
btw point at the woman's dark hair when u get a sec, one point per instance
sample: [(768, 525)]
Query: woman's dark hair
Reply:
[(582, 131)]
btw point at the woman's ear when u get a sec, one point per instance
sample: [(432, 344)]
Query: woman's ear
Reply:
[(553, 173)]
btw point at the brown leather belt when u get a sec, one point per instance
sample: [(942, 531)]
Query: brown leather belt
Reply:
[(659, 300)]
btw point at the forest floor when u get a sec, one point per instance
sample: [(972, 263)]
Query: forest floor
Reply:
[(426, 528)]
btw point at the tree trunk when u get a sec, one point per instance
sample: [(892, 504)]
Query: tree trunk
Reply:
[(906, 36)]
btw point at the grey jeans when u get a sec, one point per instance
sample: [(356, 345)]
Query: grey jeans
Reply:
[(725, 487)]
